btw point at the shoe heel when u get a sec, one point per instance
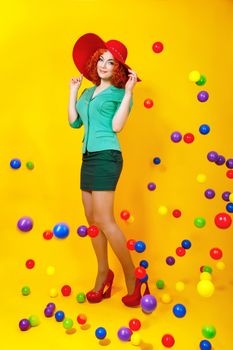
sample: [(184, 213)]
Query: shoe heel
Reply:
[(147, 290), (107, 293)]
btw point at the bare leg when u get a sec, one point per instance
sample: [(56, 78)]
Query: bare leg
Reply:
[(103, 202), (99, 243)]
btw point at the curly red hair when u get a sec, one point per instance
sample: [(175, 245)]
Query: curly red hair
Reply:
[(119, 76)]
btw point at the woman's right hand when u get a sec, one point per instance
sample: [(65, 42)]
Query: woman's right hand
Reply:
[(75, 83)]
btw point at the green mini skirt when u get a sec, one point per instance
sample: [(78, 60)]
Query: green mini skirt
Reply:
[(100, 171)]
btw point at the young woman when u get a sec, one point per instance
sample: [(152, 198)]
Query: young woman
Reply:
[(103, 109)]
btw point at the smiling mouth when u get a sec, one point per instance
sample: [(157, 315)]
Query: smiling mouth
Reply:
[(101, 71)]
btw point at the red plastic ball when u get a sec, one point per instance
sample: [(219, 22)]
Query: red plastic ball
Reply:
[(157, 47), (188, 138), (216, 253), (223, 220), (134, 324), (229, 174), (81, 319), (130, 244), (30, 263), (202, 268), (176, 213), (66, 290), (140, 272), (180, 251), (125, 214), (48, 235), (168, 341), (92, 231), (148, 103)]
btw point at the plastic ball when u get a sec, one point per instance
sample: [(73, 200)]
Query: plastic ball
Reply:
[(225, 196), (209, 193), (179, 286), (179, 310), (15, 163), (68, 323), (134, 324), (30, 165), (25, 291), (223, 220), (144, 263), (170, 260), (205, 345), (220, 160), (208, 331), (162, 210), (168, 341), (24, 324), (157, 47), (204, 129), (199, 222), (231, 197), (59, 316), (176, 213), (148, 303), (156, 160), (229, 174), (53, 292), (66, 290), (144, 279), (212, 156), (81, 297), (229, 207), (160, 284), (229, 163), (130, 219), (148, 103), (207, 269), (81, 319), (220, 265), (48, 312), (186, 244), (205, 276), (30, 263), (201, 178), (48, 235), (51, 306), (176, 136), (25, 224), (82, 231), (216, 253), (125, 214), (194, 76), (34, 320), (139, 246), (50, 270), (202, 96), (131, 244), (92, 231), (180, 251), (151, 186), (124, 333), (61, 230), (135, 339), (201, 81), (188, 138), (166, 298), (205, 288), (140, 272)]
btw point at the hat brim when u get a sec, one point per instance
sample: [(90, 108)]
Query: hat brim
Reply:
[(85, 47)]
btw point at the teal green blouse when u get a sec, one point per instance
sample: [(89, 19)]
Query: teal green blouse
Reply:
[(96, 115)]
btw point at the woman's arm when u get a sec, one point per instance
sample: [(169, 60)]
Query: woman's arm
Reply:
[(73, 116), (122, 113)]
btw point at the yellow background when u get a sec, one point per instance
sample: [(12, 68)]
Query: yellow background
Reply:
[(37, 39)]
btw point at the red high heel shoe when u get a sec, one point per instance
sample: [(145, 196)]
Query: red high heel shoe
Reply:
[(134, 299), (104, 292)]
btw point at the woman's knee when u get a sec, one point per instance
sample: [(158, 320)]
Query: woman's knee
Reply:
[(103, 223)]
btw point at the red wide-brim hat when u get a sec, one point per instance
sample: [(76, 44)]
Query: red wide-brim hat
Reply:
[(87, 45)]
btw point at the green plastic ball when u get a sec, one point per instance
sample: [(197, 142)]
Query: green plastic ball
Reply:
[(199, 222), (81, 297), (207, 269), (209, 331), (202, 80), (68, 323), (30, 165), (34, 320), (25, 290), (160, 284)]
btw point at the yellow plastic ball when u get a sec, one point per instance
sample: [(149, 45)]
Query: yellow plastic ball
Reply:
[(130, 219), (205, 288), (162, 210), (231, 197), (50, 270), (135, 339), (179, 286), (166, 298), (194, 76), (205, 276), (53, 292), (220, 265), (201, 178)]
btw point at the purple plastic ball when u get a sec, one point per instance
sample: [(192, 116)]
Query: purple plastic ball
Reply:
[(124, 334), (24, 324), (82, 231), (229, 163), (225, 196), (170, 260), (202, 96), (25, 224), (209, 193), (212, 156), (151, 186), (220, 161), (51, 306), (148, 303), (48, 312), (176, 136)]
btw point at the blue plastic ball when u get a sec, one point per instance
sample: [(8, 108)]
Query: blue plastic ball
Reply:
[(179, 310), (186, 244), (229, 207), (144, 263), (205, 345), (204, 129), (59, 315), (144, 279), (100, 333), (156, 160), (61, 230), (15, 163), (139, 246)]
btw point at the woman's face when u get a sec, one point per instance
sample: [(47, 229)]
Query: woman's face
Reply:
[(105, 65)]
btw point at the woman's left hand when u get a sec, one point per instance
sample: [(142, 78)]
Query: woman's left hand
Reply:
[(131, 81)]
